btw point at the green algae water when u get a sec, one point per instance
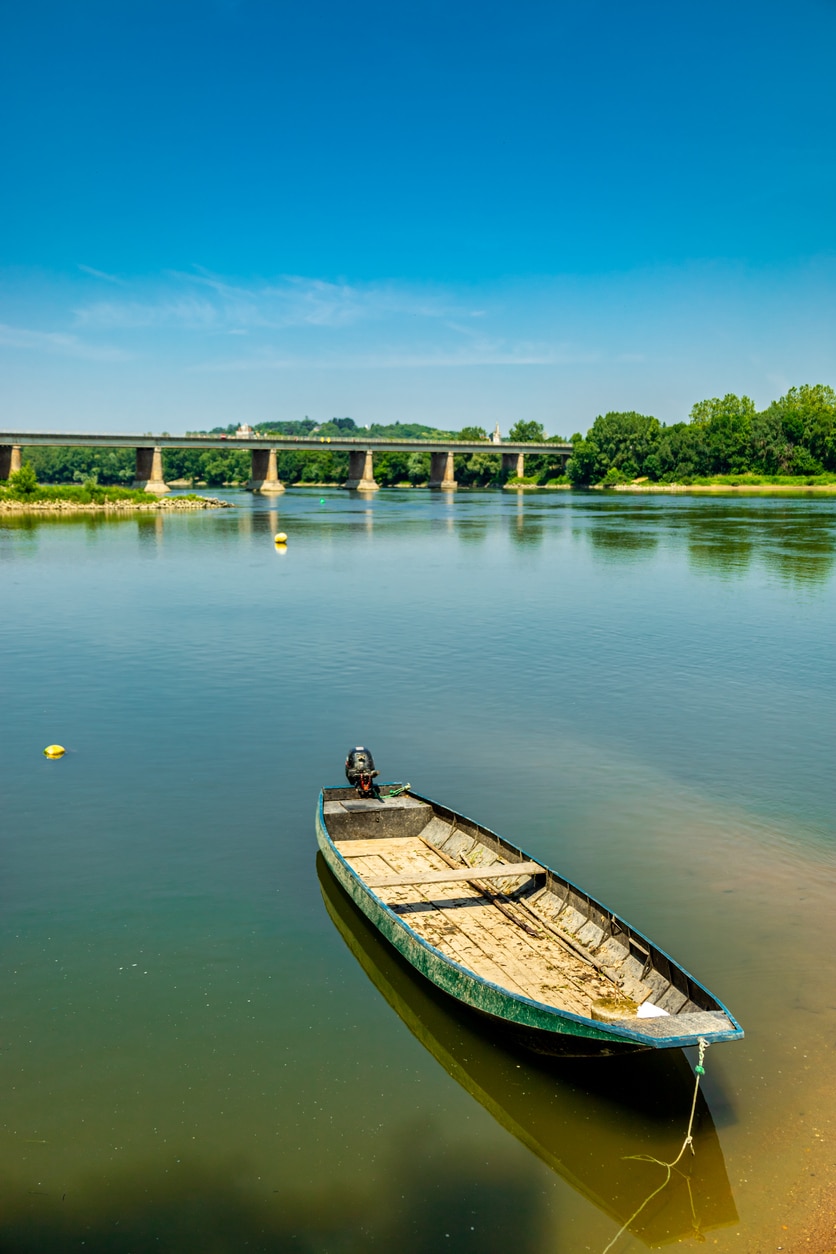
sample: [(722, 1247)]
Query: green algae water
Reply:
[(203, 1050)]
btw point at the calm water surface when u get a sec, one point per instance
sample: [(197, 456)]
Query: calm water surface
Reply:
[(202, 1048)]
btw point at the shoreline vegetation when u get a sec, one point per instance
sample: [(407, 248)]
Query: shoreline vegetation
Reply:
[(727, 443), (22, 494), (754, 484)]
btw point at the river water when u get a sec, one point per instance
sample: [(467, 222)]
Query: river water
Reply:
[(204, 1050)]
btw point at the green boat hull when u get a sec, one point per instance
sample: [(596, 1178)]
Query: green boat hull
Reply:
[(456, 980), (549, 1027)]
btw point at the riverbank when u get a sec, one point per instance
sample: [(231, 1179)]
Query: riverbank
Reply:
[(746, 489), (517, 486), (164, 505)]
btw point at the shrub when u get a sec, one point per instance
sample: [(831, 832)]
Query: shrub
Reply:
[(23, 483)]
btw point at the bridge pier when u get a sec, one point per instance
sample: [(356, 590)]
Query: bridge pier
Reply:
[(361, 471), (149, 471), (513, 465), (10, 461), (264, 475), (442, 472)]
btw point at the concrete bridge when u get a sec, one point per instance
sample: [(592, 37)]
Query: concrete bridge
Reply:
[(264, 473)]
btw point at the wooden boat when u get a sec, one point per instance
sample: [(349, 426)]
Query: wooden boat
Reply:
[(507, 935), (587, 1123)]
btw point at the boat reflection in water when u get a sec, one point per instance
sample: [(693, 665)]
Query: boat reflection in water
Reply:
[(583, 1118)]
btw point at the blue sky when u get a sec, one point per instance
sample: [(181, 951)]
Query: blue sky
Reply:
[(449, 213)]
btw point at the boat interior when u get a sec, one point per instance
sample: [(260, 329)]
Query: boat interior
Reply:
[(480, 902)]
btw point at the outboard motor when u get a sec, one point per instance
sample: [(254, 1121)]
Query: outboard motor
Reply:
[(360, 772)]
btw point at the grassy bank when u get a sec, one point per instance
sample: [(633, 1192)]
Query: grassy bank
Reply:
[(764, 484), (148, 505), (78, 494), (532, 482), (23, 494)]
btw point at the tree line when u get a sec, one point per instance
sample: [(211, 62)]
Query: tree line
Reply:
[(794, 436)]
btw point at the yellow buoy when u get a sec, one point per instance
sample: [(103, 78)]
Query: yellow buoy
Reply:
[(281, 538), (54, 751)]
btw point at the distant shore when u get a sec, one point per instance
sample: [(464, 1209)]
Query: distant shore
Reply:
[(751, 489), (680, 489)]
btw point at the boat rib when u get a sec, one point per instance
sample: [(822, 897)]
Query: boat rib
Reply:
[(466, 923)]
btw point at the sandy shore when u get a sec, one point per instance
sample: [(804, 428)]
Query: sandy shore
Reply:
[(752, 489)]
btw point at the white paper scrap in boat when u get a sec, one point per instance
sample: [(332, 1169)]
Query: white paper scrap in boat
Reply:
[(648, 1011)]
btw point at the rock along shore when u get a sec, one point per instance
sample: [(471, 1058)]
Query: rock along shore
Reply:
[(166, 505)]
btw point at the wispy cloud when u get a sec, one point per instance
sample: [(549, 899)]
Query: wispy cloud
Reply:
[(101, 274), (300, 322), (650, 340), (187, 313), (408, 359), (210, 323), (288, 302), (289, 322), (59, 342)]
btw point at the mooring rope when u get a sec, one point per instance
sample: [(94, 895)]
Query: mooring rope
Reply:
[(396, 792), (688, 1143)]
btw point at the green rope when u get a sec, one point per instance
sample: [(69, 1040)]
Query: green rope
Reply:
[(396, 792), (688, 1143)]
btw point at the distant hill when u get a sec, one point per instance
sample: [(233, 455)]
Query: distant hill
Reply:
[(336, 427)]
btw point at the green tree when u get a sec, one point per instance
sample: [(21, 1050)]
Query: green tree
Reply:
[(24, 482), (800, 427), (680, 453), (406, 431), (323, 467), (391, 468), (289, 466), (215, 468), (472, 433), (529, 432), (544, 467), (418, 468), (54, 464), (583, 466), (624, 441), (726, 427), (183, 463)]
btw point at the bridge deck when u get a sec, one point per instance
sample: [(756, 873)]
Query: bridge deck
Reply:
[(72, 439)]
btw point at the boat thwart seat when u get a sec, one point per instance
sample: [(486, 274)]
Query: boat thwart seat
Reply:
[(351, 819)]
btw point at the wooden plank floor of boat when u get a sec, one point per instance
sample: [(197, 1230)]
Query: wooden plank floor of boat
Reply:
[(468, 927)]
